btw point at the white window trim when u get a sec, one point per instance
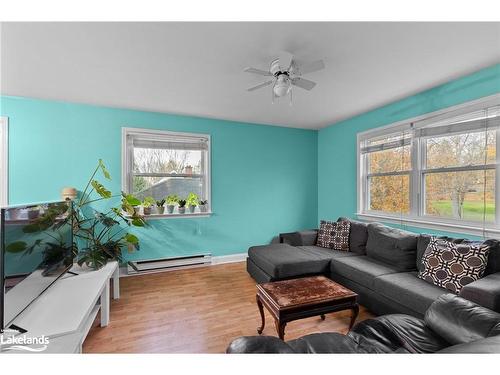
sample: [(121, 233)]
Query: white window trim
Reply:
[(4, 167), (127, 160), (413, 218)]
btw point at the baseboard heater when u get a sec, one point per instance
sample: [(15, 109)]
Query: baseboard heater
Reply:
[(157, 265)]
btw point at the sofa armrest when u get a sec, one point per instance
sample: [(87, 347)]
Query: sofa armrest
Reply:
[(258, 344), (300, 238), (485, 291)]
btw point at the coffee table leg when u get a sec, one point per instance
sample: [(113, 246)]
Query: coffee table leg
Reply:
[(262, 316), (280, 328), (354, 315), (322, 316)]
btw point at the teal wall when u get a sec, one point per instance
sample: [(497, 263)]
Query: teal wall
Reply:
[(264, 178), (337, 183)]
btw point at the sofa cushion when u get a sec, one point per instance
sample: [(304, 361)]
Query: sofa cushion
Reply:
[(360, 269), (282, 261), (392, 246), (357, 236), (408, 290), (452, 266), (400, 331), (459, 321)]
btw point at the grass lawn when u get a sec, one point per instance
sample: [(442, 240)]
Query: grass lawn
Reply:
[(472, 210)]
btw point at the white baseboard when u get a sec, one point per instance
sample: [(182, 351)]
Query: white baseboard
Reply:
[(221, 259), (232, 258)]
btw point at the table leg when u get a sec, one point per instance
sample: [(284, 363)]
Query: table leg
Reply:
[(116, 283), (280, 328), (322, 316), (262, 316), (354, 315), (105, 305)]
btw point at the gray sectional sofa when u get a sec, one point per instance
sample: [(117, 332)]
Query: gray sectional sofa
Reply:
[(381, 266)]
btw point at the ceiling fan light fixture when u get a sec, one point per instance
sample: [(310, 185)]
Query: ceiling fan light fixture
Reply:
[(282, 86)]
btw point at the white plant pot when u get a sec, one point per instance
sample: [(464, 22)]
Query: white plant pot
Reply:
[(160, 210), (170, 208), (182, 210)]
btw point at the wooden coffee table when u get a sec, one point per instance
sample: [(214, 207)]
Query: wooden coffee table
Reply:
[(295, 299)]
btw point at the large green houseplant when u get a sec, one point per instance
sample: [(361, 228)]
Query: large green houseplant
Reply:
[(101, 236)]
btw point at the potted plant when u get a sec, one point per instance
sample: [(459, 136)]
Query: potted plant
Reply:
[(192, 201), (203, 205), (188, 169), (160, 208), (147, 204), (33, 212), (172, 200), (182, 206)]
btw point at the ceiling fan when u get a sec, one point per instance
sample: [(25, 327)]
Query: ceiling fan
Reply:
[(285, 73)]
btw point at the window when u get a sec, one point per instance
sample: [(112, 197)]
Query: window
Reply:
[(441, 168), (3, 161), (160, 163)]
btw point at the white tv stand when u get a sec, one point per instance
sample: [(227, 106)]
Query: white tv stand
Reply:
[(65, 311)]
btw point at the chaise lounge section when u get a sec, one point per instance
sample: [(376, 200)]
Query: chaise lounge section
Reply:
[(381, 266)]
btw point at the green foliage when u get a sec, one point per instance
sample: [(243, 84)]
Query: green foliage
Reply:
[(100, 189), (172, 199), (203, 202), (102, 235), (192, 199), (16, 247), (161, 202), (182, 203), (148, 202)]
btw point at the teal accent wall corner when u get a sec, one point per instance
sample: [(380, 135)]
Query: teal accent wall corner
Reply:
[(337, 149), (264, 178)]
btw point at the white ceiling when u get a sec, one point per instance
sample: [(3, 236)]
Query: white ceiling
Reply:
[(197, 68)]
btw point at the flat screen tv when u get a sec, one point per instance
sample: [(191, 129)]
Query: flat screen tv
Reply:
[(36, 249)]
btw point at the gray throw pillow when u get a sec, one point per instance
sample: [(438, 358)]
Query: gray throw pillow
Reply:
[(392, 246), (357, 236)]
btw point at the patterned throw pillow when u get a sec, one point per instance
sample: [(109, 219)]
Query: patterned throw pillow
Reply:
[(334, 235), (452, 266)]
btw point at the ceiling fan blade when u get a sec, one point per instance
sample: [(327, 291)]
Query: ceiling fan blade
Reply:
[(260, 86), (285, 60), (303, 83), (312, 67), (257, 71)]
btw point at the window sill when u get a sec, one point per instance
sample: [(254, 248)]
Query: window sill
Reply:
[(187, 215), (470, 229)]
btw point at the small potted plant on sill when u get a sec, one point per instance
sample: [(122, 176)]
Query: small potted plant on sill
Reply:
[(203, 205), (33, 212), (147, 204), (188, 169), (160, 208), (182, 206), (192, 202), (172, 200)]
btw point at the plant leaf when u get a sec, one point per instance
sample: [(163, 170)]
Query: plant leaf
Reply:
[(104, 170), (100, 189), (16, 247), (130, 238), (138, 222)]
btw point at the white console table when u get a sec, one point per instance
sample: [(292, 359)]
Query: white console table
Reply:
[(65, 312)]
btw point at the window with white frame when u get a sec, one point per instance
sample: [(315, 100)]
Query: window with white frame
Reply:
[(440, 168), (160, 163), (3, 162)]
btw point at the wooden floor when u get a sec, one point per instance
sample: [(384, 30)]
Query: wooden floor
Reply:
[(197, 310)]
